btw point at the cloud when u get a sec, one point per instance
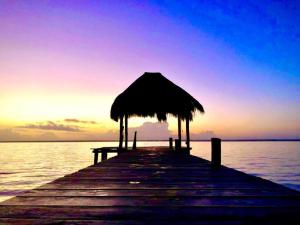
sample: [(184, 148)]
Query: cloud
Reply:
[(147, 131), (108, 135), (46, 136), (151, 131), (154, 131), (49, 125), (51, 131), (11, 135), (205, 135), (73, 120)]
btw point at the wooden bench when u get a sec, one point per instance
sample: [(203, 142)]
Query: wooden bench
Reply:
[(104, 151)]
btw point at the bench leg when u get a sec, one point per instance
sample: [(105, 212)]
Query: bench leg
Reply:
[(104, 156), (95, 158)]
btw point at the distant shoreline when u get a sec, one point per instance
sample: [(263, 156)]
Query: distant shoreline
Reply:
[(207, 140)]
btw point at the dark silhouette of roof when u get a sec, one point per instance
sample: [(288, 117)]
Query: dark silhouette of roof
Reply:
[(154, 95)]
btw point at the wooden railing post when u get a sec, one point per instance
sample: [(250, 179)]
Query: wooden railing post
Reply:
[(171, 143), (177, 144), (134, 141), (95, 157), (126, 131), (216, 152), (188, 133), (179, 131), (104, 155), (121, 133)]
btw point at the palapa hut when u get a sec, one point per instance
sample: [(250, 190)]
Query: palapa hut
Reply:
[(154, 95)]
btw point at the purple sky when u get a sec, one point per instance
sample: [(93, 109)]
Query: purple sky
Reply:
[(70, 59)]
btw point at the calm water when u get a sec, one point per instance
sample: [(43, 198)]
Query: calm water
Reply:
[(28, 165)]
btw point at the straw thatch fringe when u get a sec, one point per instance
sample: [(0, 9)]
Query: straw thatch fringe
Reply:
[(154, 95)]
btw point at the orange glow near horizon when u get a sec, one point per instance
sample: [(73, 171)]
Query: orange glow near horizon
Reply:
[(32, 109)]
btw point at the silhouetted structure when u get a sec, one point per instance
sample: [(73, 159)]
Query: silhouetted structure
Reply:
[(154, 95)]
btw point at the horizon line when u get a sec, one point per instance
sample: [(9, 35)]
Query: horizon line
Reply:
[(164, 140)]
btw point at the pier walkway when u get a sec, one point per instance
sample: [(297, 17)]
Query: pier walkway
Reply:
[(154, 185)]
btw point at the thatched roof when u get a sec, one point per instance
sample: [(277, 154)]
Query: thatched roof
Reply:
[(154, 95)]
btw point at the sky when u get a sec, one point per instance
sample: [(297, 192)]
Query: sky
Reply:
[(62, 63)]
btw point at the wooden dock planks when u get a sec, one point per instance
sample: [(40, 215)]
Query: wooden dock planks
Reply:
[(155, 186)]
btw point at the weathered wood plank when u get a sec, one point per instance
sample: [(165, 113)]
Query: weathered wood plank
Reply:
[(156, 192), (157, 201), (156, 178), (172, 186), (137, 213), (9, 221), (139, 184)]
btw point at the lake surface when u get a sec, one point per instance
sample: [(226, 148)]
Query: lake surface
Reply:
[(29, 165)]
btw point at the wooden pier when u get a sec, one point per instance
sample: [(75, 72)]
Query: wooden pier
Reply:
[(155, 185)]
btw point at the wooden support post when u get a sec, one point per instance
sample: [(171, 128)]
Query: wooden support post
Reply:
[(187, 133), (216, 152), (177, 144), (95, 157), (121, 133), (134, 141), (171, 143), (179, 132), (104, 155), (126, 132)]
